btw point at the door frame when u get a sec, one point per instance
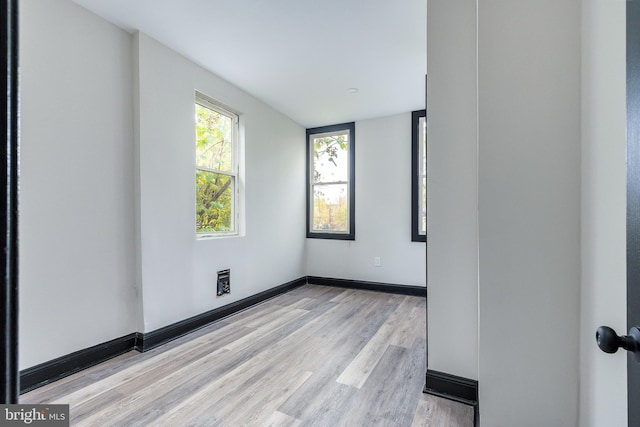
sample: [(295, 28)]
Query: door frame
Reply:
[(9, 383), (633, 200)]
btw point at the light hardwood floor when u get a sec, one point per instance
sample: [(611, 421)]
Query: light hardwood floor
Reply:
[(315, 356)]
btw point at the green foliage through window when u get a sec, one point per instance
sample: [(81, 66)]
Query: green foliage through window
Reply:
[(216, 135), (214, 194)]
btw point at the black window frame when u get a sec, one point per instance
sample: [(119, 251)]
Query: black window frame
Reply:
[(351, 127), (415, 175)]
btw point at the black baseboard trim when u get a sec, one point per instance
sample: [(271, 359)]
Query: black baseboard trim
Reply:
[(153, 339), (454, 388), (416, 291), (53, 370), (56, 369)]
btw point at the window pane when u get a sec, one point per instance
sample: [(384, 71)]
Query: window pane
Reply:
[(422, 129), (331, 158), (330, 213), (422, 217), (214, 143), (214, 201)]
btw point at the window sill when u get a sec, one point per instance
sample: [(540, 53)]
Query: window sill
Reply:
[(201, 237), (420, 238), (331, 236)]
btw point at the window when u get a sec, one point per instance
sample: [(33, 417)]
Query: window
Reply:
[(330, 182), (419, 176), (216, 168)]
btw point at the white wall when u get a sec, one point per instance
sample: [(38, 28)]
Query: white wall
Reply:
[(78, 163), (603, 377), (383, 212), (525, 281), (76, 200), (108, 139), (452, 188), (107, 143), (529, 211), (177, 272)]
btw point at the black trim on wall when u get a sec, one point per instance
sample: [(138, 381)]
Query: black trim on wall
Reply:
[(64, 366), (415, 175), (9, 382), (351, 127), (633, 201), (161, 336), (416, 291), (451, 387)]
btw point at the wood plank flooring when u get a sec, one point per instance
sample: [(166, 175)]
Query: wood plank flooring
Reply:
[(315, 356)]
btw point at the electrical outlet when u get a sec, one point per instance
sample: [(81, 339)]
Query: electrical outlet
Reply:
[(224, 282), (376, 261)]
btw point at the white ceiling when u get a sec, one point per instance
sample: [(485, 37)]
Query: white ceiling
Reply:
[(299, 56)]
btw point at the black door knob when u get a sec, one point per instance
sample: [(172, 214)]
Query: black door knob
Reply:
[(609, 341)]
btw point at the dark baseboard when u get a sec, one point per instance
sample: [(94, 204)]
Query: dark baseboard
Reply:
[(168, 333), (64, 366), (417, 291), (452, 387), (455, 388)]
